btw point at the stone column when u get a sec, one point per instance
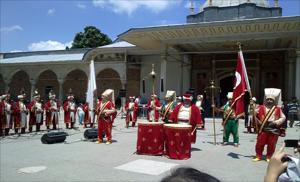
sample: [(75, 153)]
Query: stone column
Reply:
[(213, 68), (60, 89), (6, 84), (297, 78), (33, 84), (186, 72), (289, 71), (163, 75)]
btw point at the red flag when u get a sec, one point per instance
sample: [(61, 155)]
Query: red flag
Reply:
[(241, 86)]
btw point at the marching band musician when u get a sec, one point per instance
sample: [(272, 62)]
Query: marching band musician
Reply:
[(36, 111), (168, 107), (52, 110), (269, 117), (251, 110), (7, 113), (2, 116), (87, 115), (20, 114), (199, 103), (152, 106), (187, 113), (70, 110), (230, 122), (131, 109), (106, 114)]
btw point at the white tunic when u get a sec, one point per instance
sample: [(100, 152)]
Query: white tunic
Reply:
[(152, 112), (72, 111), (8, 113), (39, 112), (23, 110), (184, 114), (130, 106)]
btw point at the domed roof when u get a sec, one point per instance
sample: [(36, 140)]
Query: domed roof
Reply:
[(226, 3)]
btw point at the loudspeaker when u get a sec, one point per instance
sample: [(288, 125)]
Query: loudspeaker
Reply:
[(92, 133), (122, 93), (54, 137)]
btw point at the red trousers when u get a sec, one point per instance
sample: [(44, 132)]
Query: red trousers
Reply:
[(263, 139), (104, 126)]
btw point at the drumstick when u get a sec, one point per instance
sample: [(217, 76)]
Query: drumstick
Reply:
[(194, 130)]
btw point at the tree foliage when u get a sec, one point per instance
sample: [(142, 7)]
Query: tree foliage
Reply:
[(90, 38)]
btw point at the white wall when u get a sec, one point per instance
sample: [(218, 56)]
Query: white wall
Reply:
[(146, 68)]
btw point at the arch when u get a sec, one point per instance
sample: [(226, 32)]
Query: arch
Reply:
[(20, 80), (118, 69), (108, 78), (77, 81), (47, 81), (225, 80), (2, 84)]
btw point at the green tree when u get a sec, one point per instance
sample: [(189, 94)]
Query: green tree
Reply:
[(90, 38)]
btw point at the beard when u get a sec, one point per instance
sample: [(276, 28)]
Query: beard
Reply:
[(269, 104)]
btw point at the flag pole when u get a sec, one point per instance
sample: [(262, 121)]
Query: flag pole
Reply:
[(212, 89), (153, 74)]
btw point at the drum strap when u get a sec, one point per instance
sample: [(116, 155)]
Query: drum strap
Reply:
[(227, 117), (102, 109), (167, 109), (268, 115)]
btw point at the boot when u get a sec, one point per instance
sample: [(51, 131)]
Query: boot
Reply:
[(6, 131), (16, 130), (127, 125), (291, 123), (22, 130), (92, 125), (67, 125), (48, 127), (1, 132), (133, 124), (54, 126), (249, 129), (30, 129), (72, 125), (38, 127)]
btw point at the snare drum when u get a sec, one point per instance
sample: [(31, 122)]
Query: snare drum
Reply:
[(150, 138), (178, 141)]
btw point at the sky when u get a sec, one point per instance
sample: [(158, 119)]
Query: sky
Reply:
[(35, 25)]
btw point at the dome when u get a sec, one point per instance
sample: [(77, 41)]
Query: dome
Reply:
[(226, 3)]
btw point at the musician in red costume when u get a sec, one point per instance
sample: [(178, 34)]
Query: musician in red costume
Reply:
[(87, 118), (52, 110), (36, 112), (131, 108), (20, 114), (187, 113), (270, 118), (153, 106), (6, 113), (2, 116), (106, 114), (70, 111)]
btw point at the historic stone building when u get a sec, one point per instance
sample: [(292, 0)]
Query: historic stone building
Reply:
[(185, 56)]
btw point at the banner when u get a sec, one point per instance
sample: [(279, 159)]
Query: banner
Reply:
[(91, 95), (241, 86)]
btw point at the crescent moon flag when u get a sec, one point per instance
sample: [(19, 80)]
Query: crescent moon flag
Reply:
[(241, 86)]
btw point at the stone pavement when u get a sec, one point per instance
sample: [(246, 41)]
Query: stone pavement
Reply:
[(25, 158)]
